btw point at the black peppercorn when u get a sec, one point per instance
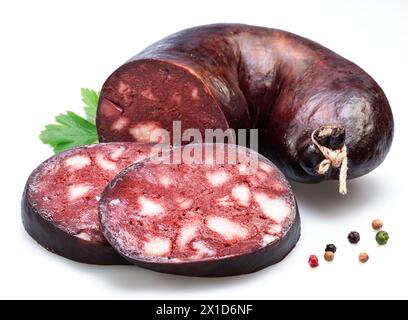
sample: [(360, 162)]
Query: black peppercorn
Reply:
[(331, 247), (354, 237)]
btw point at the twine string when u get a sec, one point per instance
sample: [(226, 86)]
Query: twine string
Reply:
[(333, 158)]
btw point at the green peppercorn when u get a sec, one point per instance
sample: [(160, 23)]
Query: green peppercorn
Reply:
[(382, 237)]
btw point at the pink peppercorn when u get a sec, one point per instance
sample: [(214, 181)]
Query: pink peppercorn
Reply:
[(313, 261)]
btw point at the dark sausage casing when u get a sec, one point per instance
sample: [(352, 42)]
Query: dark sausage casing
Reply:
[(238, 76)]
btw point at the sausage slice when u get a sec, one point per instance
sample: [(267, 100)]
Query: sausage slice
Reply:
[(59, 205), (205, 215)]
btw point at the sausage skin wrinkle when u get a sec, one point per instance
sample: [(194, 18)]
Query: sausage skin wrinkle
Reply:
[(239, 76)]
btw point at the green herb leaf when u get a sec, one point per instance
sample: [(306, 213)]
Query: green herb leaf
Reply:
[(90, 98), (70, 129)]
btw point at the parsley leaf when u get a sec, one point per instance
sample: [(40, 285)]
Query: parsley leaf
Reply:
[(90, 98), (70, 129)]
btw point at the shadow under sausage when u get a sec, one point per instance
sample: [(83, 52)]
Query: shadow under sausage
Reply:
[(136, 279), (323, 198)]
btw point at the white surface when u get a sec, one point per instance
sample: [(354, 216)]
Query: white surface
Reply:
[(49, 49)]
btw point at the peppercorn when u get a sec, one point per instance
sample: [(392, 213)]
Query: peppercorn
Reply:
[(382, 237), (329, 256), (354, 237), (377, 224), (313, 261), (363, 257), (331, 248)]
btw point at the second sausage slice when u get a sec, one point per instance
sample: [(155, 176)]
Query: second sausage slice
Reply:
[(205, 210)]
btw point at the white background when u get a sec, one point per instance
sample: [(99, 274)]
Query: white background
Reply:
[(49, 49)]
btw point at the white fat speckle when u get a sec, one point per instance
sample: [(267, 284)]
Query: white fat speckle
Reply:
[(148, 94), (114, 202), (217, 178), (267, 239), (105, 164), (78, 191), (149, 207), (202, 249), (157, 246), (78, 161), (187, 234), (147, 131), (275, 209), (185, 204), (275, 229), (166, 181), (122, 87), (120, 124), (84, 236), (125, 90), (117, 153), (97, 198), (243, 169), (225, 201), (227, 228), (242, 194), (194, 93)]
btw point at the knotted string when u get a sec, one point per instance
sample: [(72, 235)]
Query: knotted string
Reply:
[(333, 158)]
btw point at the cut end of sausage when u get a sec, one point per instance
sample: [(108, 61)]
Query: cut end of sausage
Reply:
[(145, 96), (210, 213)]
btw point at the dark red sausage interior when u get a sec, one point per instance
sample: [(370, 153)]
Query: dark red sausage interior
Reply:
[(201, 219)]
